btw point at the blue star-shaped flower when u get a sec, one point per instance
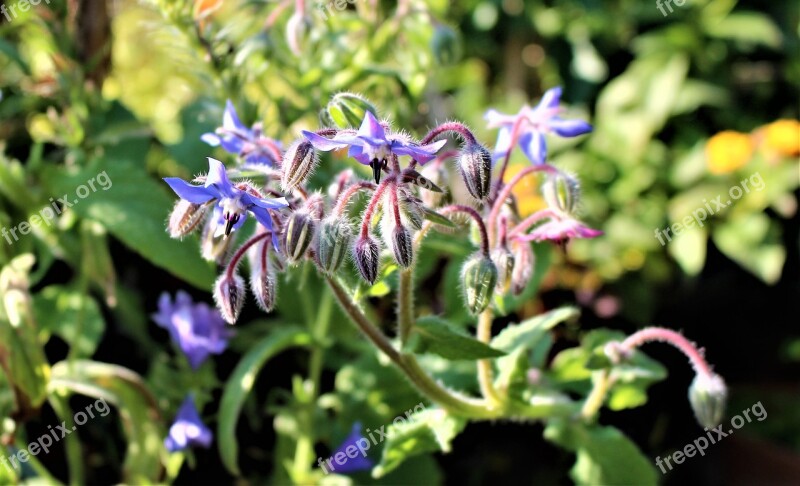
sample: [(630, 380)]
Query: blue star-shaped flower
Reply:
[(197, 329), (187, 429), (232, 202), (528, 127), (248, 143), (371, 146), (357, 463)]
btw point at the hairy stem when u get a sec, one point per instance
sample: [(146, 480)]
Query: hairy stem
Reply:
[(669, 336), (449, 127), (405, 305), (601, 383), (505, 192), (458, 208), (485, 371)]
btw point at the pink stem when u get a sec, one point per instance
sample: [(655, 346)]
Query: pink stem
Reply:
[(530, 221), (669, 336), (458, 208), (234, 262), (373, 203), (344, 199), (449, 127), (506, 191)]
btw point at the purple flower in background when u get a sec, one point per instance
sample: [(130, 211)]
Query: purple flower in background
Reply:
[(528, 127), (197, 329), (560, 230), (187, 429), (360, 461), (371, 146), (248, 143), (233, 203)]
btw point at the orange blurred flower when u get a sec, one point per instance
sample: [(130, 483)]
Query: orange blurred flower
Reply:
[(529, 200), (728, 151), (783, 137), (204, 8)]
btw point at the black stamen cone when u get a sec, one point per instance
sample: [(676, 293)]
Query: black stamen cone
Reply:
[(377, 167)]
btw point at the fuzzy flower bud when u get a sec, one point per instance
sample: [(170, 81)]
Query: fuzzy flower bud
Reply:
[(503, 259), (524, 264), (411, 213), (333, 239), (214, 248), (263, 278), (299, 163), (401, 245), (562, 192), (367, 254), (229, 295), (348, 109), (185, 218), (300, 229), (479, 277), (708, 395), (475, 167)]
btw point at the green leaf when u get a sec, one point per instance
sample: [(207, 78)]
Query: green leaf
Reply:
[(604, 455), (748, 27), (432, 334), (72, 315), (426, 431), (241, 382), (133, 208), (754, 242), (437, 218), (138, 411)]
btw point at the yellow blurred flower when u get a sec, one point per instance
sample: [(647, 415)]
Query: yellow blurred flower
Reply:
[(529, 200), (728, 151), (783, 137)]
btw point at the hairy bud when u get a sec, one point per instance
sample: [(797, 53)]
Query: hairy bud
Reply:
[(229, 296), (479, 277), (333, 240), (299, 162), (503, 259), (214, 248), (367, 254), (411, 212), (475, 167), (562, 192), (524, 261), (708, 395), (347, 110), (299, 235), (401, 244), (185, 218), (263, 278)]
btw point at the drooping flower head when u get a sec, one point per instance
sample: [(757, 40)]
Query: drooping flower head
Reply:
[(233, 201), (187, 430), (357, 463), (248, 143), (197, 329), (528, 127), (372, 146)]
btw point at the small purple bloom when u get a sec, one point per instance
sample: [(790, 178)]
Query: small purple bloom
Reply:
[(248, 143), (197, 329), (560, 230), (232, 203), (528, 127), (353, 464), (371, 146), (187, 429)]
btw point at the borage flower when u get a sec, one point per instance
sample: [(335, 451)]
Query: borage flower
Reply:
[(528, 127), (187, 430), (234, 202), (560, 230), (248, 143), (197, 329), (371, 146), (355, 462)]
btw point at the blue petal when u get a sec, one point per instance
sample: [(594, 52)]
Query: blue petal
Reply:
[(189, 192), (534, 146), (422, 153), (321, 143), (357, 152), (569, 128), (210, 138), (371, 127), (353, 464), (550, 99), (231, 144), (218, 177), (230, 119), (263, 217), (276, 203)]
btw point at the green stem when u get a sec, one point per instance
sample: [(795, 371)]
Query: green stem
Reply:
[(408, 364), (485, 371), (72, 444), (601, 383), (405, 308)]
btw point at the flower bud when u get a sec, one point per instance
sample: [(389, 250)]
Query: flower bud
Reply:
[(475, 166), (347, 110), (708, 395), (445, 45), (524, 261), (562, 192), (401, 244), (503, 259), (299, 234), (229, 295), (333, 239), (479, 277), (299, 162), (185, 217), (214, 248), (411, 213), (367, 254), (263, 277)]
